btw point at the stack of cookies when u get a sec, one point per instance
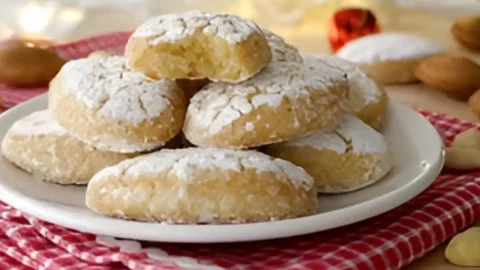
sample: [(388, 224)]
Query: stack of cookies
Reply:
[(208, 118)]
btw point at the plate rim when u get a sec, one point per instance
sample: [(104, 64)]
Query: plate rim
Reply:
[(46, 211)]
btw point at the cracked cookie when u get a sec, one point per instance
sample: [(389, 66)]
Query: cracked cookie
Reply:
[(101, 102), (390, 58), (37, 144), (351, 156), (284, 101), (196, 185), (281, 50), (366, 99), (197, 45)]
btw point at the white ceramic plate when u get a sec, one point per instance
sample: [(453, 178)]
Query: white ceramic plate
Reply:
[(416, 149)]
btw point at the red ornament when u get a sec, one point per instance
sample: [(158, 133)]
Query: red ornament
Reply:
[(350, 23)]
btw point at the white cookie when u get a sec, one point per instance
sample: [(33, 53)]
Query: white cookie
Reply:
[(37, 144), (284, 101), (101, 102), (390, 58), (367, 99), (197, 45), (348, 158), (196, 185)]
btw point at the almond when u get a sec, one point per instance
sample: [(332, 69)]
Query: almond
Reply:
[(467, 139), (467, 32), (24, 66), (458, 77), (464, 248), (464, 153)]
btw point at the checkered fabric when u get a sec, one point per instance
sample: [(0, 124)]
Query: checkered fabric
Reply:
[(388, 241)]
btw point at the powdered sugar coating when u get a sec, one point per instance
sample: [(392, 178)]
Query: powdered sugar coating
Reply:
[(350, 130), (40, 146), (281, 50), (363, 89), (220, 103), (321, 140), (388, 46), (37, 123), (122, 145), (173, 27), (106, 85), (187, 164), (363, 138)]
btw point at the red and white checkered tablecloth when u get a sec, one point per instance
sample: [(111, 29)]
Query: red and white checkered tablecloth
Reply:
[(389, 241)]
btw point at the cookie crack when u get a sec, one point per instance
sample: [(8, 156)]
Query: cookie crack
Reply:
[(101, 105), (219, 111), (167, 98), (142, 106), (104, 101), (347, 141)]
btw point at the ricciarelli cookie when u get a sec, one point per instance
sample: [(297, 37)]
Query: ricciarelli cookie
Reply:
[(390, 58), (281, 50), (348, 158), (196, 185), (195, 45), (367, 99), (284, 101), (37, 144), (101, 102)]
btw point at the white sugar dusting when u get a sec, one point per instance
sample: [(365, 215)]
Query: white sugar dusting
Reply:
[(363, 89), (122, 145), (187, 164), (388, 46), (173, 27), (219, 104), (37, 123), (362, 137), (106, 85), (350, 129), (321, 140), (281, 50)]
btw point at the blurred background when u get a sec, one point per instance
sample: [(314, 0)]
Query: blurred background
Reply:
[(301, 22)]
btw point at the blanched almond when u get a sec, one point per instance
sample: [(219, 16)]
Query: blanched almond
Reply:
[(464, 248), (467, 139)]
